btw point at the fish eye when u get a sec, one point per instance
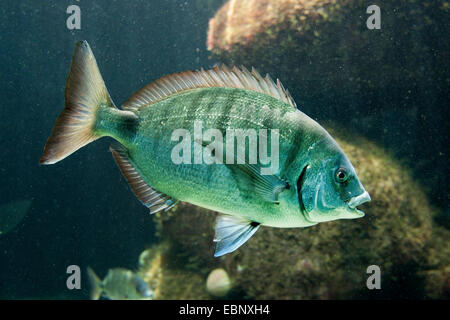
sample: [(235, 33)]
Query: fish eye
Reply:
[(341, 175)]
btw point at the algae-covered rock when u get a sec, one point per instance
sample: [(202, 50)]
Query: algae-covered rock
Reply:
[(327, 42), (182, 285), (391, 84), (437, 277), (328, 260), (168, 280)]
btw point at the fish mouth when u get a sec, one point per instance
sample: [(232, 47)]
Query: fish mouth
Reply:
[(357, 201)]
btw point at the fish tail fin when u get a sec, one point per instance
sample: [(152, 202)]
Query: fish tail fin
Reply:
[(85, 94), (96, 284)]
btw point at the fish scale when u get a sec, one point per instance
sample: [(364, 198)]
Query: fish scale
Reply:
[(205, 185), (310, 179)]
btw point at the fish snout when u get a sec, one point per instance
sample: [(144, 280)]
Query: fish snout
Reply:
[(359, 200)]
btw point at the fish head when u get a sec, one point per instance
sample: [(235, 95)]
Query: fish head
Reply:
[(143, 290), (330, 190)]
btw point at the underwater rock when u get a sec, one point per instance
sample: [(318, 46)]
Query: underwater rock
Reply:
[(167, 279), (246, 22), (218, 283), (390, 84), (151, 264), (437, 278), (328, 42), (325, 261), (183, 285)]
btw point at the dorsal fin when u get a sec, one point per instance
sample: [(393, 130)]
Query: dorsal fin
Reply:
[(217, 77), (151, 198)]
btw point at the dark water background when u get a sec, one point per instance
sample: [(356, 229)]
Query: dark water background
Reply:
[(83, 212)]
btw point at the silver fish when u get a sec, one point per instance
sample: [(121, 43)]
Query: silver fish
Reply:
[(119, 284)]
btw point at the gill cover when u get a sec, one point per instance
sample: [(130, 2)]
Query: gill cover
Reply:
[(326, 198)]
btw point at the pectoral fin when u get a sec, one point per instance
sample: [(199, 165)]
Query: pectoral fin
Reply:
[(248, 176), (250, 179), (232, 232)]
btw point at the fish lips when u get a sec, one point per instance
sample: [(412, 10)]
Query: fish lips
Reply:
[(357, 201)]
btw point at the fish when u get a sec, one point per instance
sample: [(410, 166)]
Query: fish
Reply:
[(12, 213), (119, 284), (191, 137)]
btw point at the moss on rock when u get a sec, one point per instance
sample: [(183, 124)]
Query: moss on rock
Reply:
[(168, 280), (437, 277)]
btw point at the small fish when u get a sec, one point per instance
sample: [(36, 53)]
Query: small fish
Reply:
[(119, 284), (309, 180), (12, 213)]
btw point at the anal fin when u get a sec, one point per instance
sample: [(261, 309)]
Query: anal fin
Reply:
[(150, 197), (232, 232)]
